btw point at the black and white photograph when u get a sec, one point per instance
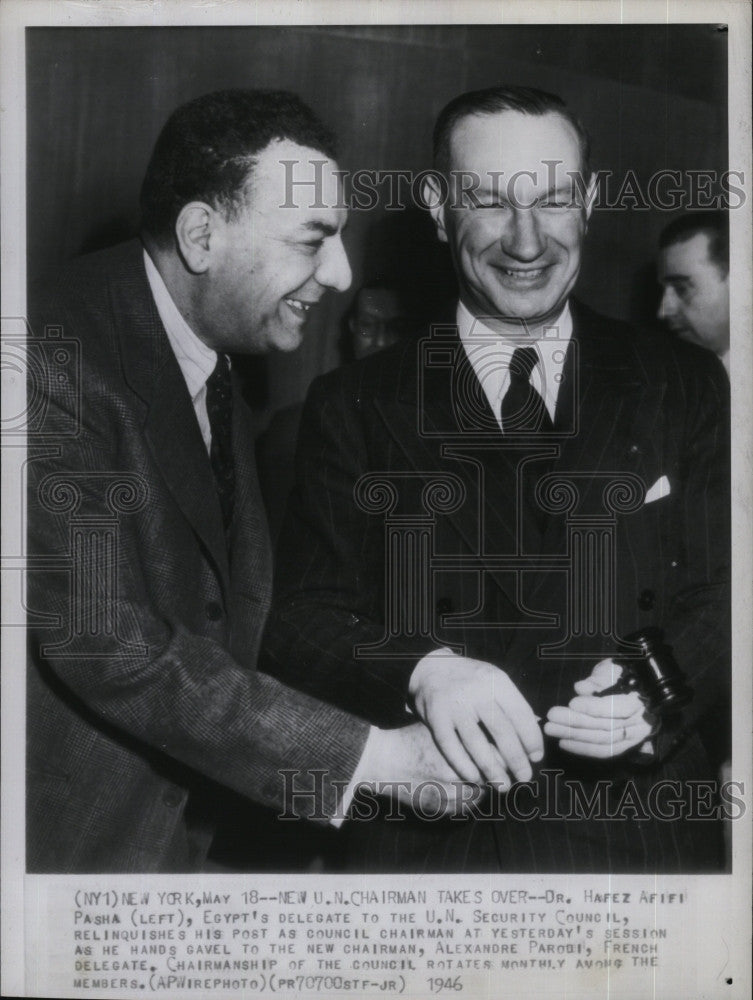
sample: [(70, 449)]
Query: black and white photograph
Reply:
[(376, 485)]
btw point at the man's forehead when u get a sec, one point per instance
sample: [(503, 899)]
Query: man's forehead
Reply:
[(278, 152), (686, 254), (514, 136), (301, 177)]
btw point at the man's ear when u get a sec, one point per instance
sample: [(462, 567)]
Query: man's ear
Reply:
[(434, 194), (193, 232)]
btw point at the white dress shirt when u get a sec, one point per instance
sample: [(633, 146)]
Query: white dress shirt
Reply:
[(196, 360), (490, 354)]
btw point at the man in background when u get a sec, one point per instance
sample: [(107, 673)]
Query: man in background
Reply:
[(375, 320), (150, 565), (693, 270)]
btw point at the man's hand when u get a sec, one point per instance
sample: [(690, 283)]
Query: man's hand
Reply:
[(405, 759), (480, 721), (600, 727)]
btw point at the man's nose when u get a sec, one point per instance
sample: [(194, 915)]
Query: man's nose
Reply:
[(334, 269), (668, 304), (522, 238), (383, 336)]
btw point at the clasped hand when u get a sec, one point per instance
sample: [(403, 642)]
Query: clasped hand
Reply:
[(487, 732), (604, 727), (481, 723)]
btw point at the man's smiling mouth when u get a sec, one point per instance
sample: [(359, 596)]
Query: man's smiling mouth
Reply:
[(298, 306), (523, 275)]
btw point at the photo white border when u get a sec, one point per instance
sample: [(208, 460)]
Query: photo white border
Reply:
[(16, 15)]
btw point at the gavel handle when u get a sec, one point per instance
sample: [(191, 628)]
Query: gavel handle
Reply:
[(622, 686)]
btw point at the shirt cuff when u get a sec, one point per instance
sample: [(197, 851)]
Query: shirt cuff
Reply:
[(372, 748), (364, 769)]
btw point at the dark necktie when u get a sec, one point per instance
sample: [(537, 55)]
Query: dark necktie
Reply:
[(220, 413), (523, 409)]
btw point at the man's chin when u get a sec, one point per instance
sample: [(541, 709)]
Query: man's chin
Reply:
[(688, 336), (287, 340), (527, 311)]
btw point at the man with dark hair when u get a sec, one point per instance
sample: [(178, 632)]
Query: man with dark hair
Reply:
[(482, 518), (150, 569), (694, 275), (208, 148)]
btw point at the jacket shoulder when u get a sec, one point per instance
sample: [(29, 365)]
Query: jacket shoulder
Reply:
[(83, 287), (385, 373), (658, 356)]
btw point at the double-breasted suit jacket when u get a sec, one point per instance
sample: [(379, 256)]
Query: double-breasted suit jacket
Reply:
[(145, 621), (416, 524)]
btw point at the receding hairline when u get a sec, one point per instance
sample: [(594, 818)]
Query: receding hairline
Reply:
[(710, 236), (713, 225), (681, 238), (484, 114), (207, 151), (251, 162)]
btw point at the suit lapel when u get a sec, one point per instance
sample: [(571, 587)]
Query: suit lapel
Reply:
[(432, 427), (170, 424), (607, 413), (607, 409), (441, 421)]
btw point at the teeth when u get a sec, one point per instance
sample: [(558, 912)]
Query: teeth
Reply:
[(297, 304), (523, 274)]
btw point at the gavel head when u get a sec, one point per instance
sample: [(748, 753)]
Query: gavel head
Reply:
[(650, 669)]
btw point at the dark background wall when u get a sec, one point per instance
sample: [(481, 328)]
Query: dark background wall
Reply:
[(653, 97)]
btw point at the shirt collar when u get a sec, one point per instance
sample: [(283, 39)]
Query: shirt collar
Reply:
[(558, 332), (196, 360), (490, 353)]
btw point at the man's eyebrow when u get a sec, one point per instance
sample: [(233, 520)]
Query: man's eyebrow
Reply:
[(502, 190), (675, 277), (565, 188), (320, 228)]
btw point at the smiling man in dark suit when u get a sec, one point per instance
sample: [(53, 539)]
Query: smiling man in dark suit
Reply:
[(149, 559), (483, 515)]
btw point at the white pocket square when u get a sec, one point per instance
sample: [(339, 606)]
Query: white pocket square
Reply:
[(660, 489)]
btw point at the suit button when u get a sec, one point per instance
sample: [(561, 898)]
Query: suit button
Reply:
[(353, 620), (646, 600), (445, 606), (214, 611), (172, 798)]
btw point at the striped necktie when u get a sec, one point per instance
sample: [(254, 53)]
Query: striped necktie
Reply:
[(523, 409), (220, 413)]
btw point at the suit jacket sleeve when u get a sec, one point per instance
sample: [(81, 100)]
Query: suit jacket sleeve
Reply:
[(159, 679), (329, 578)]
